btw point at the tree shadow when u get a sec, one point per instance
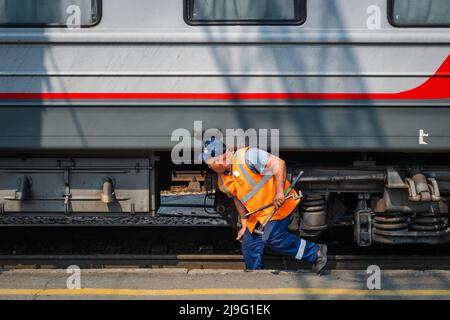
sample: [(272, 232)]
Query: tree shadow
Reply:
[(291, 67)]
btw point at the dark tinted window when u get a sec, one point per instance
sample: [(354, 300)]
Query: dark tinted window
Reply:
[(410, 13), (245, 11), (40, 13)]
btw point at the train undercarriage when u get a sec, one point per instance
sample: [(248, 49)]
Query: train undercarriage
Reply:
[(388, 204), (385, 205), (387, 198)]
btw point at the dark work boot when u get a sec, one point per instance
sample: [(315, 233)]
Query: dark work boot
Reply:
[(321, 260)]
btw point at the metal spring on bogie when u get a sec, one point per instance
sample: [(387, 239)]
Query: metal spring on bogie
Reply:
[(313, 212), (395, 221), (429, 221)]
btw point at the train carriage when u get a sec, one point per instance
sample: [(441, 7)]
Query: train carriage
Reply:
[(92, 91)]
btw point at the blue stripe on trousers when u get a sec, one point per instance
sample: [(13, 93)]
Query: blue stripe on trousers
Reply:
[(279, 240)]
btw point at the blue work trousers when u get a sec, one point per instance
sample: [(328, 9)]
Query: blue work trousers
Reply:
[(278, 239)]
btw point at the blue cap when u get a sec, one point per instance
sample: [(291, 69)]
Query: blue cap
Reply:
[(212, 148)]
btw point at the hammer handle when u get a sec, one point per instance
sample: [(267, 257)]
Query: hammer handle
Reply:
[(265, 207), (270, 216)]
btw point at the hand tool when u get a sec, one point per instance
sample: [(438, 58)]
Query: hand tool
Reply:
[(292, 196), (260, 229)]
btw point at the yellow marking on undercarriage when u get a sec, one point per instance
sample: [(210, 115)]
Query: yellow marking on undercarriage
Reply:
[(220, 291)]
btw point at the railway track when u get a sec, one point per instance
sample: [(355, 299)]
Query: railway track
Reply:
[(196, 247), (336, 262), (167, 220)]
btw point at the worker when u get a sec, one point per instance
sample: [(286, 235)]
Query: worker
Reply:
[(253, 178)]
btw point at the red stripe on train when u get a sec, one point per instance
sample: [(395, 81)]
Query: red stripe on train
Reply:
[(435, 88)]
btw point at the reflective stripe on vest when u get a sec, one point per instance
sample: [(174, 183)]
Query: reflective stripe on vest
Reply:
[(255, 190), (222, 185), (241, 161), (240, 157)]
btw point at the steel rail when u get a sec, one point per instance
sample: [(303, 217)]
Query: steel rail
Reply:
[(335, 262)]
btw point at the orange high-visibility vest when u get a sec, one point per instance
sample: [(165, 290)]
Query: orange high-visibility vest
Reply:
[(254, 190)]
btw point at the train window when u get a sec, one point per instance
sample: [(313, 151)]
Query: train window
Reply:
[(419, 13), (245, 12), (49, 13)]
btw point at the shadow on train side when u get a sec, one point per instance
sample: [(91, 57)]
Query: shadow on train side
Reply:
[(308, 125), (20, 126), (313, 125), (25, 68)]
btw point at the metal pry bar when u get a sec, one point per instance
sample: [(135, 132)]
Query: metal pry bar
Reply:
[(260, 230), (270, 205)]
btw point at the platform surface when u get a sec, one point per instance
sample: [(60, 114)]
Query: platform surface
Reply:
[(221, 284)]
